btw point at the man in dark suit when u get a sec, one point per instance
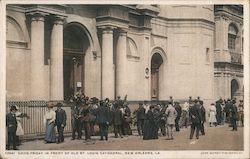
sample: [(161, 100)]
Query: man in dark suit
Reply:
[(203, 118), (234, 117), (218, 112), (76, 120), (140, 116), (195, 118), (177, 119), (61, 118), (11, 124), (117, 121), (227, 110), (103, 119)]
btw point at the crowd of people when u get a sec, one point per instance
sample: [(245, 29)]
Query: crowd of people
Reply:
[(101, 117)]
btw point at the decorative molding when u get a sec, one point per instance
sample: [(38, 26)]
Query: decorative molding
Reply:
[(133, 58), (186, 6), (59, 20), (16, 44), (15, 8), (38, 17), (48, 9)]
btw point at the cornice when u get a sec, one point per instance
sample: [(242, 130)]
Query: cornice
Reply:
[(15, 8), (50, 9)]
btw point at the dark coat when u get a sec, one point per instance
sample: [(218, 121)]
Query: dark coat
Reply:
[(218, 107), (61, 117), (140, 114), (150, 127), (127, 111), (11, 122), (117, 117), (233, 111), (178, 110), (103, 114), (195, 114), (228, 106), (203, 114)]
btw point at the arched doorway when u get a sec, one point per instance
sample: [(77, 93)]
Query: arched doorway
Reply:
[(234, 88), (156, 63), (75, 44)]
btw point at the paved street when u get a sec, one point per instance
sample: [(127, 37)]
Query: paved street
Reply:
[(216, 138)]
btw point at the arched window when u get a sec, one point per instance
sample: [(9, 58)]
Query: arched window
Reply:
[(234, 88), (232, 35)]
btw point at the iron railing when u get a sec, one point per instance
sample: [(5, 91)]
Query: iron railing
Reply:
[(36, 110)]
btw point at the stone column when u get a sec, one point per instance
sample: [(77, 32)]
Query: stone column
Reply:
[(56, 60), (121, 67), (37, 79), (108, 81)]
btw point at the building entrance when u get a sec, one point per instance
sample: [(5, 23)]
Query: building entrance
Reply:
[(156, 63), (75, 45)]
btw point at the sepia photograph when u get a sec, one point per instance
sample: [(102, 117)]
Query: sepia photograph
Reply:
[(125, 80)]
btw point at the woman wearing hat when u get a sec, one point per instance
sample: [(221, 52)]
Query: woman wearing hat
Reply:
[(49, 122), (149, 125), (19, 116)]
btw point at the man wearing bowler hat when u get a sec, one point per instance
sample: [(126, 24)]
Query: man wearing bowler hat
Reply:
[(11, 124), (61, 118)]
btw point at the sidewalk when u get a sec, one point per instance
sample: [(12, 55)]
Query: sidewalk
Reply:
[(216, 138)]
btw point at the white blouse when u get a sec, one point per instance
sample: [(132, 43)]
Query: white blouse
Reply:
[(49, 115)]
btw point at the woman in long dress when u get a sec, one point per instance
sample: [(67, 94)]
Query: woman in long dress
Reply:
[(212, 115), (149, 125), (19, 130), (49, 122)]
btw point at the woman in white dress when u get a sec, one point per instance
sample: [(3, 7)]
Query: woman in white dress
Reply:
[(212, 115), (49, 122), (19, 130)]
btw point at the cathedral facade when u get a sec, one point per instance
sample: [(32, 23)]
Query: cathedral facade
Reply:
[(147, 52)]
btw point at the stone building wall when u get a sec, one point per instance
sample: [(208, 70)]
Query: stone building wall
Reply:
[(183, 35)]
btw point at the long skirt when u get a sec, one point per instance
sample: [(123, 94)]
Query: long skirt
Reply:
[(19, 130), (150, 130), (212, 117), (50, 135)]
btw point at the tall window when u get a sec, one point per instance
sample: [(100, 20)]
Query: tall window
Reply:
[(232, 35)]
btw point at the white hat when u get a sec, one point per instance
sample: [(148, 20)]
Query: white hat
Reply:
[(16, 107)]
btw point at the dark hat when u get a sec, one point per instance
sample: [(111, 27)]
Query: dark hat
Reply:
[(106, 99), (151, 106), (13, 107), (59, 104)]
